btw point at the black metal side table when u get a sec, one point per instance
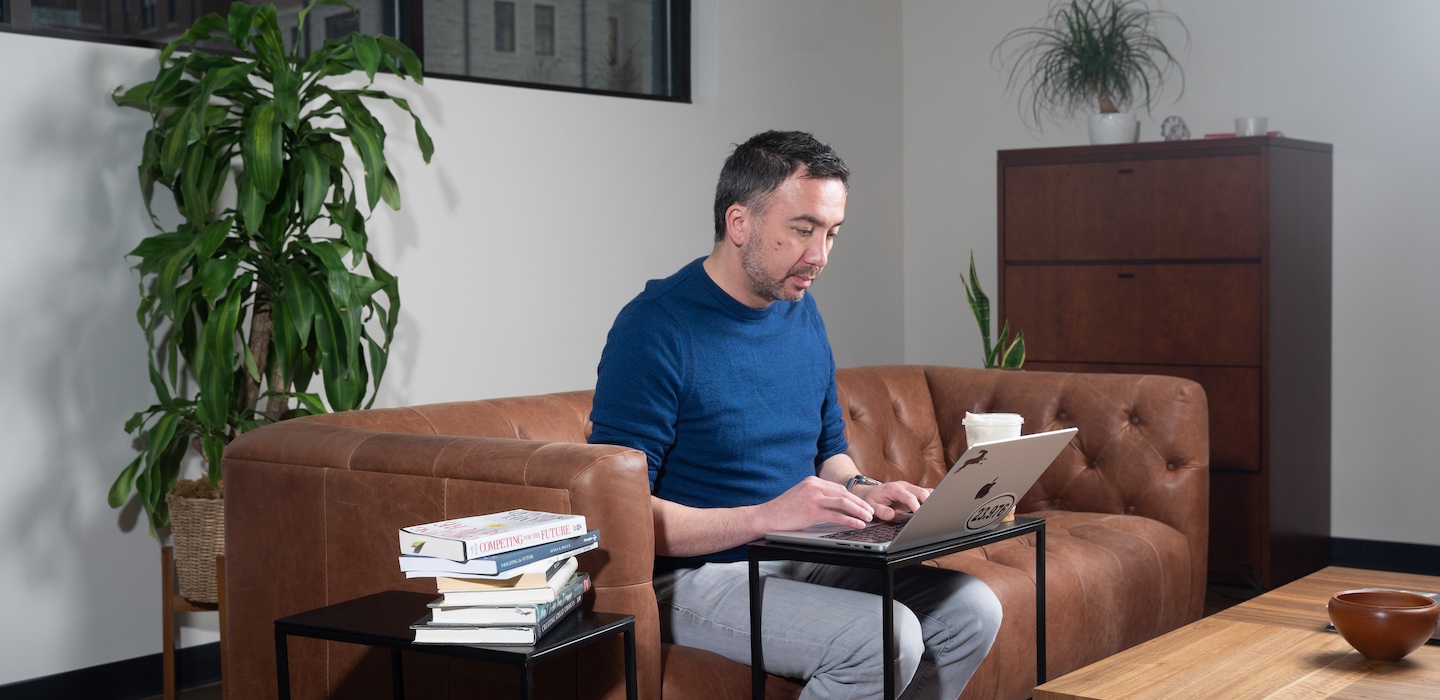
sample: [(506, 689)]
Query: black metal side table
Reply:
[(885, 564), (384, 619)]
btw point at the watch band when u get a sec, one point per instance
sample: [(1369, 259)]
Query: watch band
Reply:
[(860, 479)]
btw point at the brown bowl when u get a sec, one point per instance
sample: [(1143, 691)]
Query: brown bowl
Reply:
[(1383, 625)]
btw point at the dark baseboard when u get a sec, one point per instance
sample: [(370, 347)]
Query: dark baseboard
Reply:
[(122, 680), (1387, 556)]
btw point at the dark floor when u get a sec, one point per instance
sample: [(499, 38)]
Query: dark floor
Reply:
[(1217, 597), (204, 692)]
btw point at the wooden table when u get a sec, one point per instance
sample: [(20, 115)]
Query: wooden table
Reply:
[(1273, 646)]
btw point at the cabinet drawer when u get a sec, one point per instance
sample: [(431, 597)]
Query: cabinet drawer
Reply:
[(1233, 394), (1187, 208), (1137, 314)]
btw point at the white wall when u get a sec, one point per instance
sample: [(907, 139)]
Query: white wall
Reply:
[(540, 216), (1361, 76), (544, 212)]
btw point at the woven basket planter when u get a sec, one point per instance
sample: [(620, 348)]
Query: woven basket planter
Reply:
[(197, 529)]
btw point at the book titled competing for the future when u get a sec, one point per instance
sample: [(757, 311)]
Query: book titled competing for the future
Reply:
[(463, 539)]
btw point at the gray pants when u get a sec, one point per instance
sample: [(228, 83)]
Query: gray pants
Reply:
[(822, 623)]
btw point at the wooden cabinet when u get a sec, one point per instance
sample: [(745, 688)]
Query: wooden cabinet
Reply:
[(1209, 260)]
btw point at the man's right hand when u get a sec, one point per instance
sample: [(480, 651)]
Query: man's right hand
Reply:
[(815, 500), (684, 531)]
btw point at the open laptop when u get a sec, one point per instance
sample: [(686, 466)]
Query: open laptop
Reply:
[(980, 489)]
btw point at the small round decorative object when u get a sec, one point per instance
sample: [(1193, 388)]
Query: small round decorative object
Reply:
[(1383, 625), (1174, 129)]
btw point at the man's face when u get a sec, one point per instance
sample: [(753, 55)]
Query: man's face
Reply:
[(789, 242)]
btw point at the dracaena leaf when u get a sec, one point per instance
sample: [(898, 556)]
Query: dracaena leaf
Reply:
[(367, 52), (316, 184), (263, 149), (408, 60)]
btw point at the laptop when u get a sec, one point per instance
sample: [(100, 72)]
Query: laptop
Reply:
[(979, 490)]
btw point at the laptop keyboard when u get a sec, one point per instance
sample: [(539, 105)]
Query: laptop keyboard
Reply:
[(880, 532)]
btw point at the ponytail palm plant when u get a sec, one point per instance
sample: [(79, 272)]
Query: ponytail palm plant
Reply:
[(1102, 54), (268, 279)]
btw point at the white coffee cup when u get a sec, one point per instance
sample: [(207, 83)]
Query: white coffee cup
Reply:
[(1251, 126), (985, 427)]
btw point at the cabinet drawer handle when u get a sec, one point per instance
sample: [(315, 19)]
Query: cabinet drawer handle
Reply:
[(1126, 275), (1126, 171)]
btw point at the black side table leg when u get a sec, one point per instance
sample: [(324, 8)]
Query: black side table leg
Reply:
[(397, 676), (1040, 604), (527, 681), (282, 664), (887, 627), (757, 644), (632, 686)]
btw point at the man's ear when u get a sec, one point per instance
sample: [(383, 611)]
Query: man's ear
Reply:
[(738, 224)]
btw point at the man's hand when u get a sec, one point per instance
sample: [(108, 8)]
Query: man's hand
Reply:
[(892, 497), (815, 500)]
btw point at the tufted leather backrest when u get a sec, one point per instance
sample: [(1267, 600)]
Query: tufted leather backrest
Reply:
[(1142, 438)]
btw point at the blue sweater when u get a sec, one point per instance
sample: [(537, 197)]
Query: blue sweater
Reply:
[(731, 405)]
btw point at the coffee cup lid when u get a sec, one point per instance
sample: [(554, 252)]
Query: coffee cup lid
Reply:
[(993, 419)]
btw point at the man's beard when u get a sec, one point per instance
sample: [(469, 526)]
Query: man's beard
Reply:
[(760, 284)]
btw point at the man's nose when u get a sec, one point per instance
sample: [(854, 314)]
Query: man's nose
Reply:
[(818, 253)]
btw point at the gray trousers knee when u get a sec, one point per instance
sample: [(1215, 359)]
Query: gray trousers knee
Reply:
[(822, 623)]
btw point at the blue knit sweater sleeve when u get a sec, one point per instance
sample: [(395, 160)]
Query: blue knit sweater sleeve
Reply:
[(639, 383)]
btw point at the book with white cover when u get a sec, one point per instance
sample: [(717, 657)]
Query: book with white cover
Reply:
[(507, 615), (526, 588), (520, 635), (464, 539), (519, 560), (541, 565)]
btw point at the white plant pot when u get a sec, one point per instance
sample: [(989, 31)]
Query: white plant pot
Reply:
[(1117, 127)]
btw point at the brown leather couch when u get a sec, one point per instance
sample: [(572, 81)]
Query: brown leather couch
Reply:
[(312, 506)]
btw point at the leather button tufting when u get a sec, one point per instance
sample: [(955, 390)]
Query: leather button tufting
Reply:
[(1134, 419), (1170, 466)]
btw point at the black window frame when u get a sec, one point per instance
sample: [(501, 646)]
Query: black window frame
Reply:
[(405, 20)]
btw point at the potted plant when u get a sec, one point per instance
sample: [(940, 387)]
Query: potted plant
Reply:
[(267, 280), (1105, 54), (1006, 353)]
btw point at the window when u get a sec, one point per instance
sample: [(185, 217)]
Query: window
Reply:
[(612, 39), (340, 25), (504, 26), (633, 48), (545, 30)]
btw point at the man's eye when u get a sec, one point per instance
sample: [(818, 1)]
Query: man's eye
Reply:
[(804, 231)]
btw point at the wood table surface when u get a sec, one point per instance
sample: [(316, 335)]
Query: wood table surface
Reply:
[(1272, 646)]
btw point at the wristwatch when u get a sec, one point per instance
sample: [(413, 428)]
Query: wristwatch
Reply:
[(860, 479)]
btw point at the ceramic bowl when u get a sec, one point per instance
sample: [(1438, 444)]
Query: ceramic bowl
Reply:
[(1383, 625)]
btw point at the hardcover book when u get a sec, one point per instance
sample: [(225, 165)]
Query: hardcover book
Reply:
[(523, 589), (519, 560), (520, 635), (507, 615), (464, 539)]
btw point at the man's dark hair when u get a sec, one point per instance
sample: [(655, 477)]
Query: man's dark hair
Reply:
[(757, 167)]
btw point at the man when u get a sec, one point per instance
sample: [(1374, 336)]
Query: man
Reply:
[(722, 375)]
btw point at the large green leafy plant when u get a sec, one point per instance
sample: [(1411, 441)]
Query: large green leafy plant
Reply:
[(268, 279), (1090, 53), (1007, 352)]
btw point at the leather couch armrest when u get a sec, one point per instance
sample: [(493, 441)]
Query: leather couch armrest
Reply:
[(338, 493)]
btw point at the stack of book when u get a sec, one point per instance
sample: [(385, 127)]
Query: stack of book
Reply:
[(503, 578)]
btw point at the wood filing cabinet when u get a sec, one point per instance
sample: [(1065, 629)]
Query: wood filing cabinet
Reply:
[(1210, 260)]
